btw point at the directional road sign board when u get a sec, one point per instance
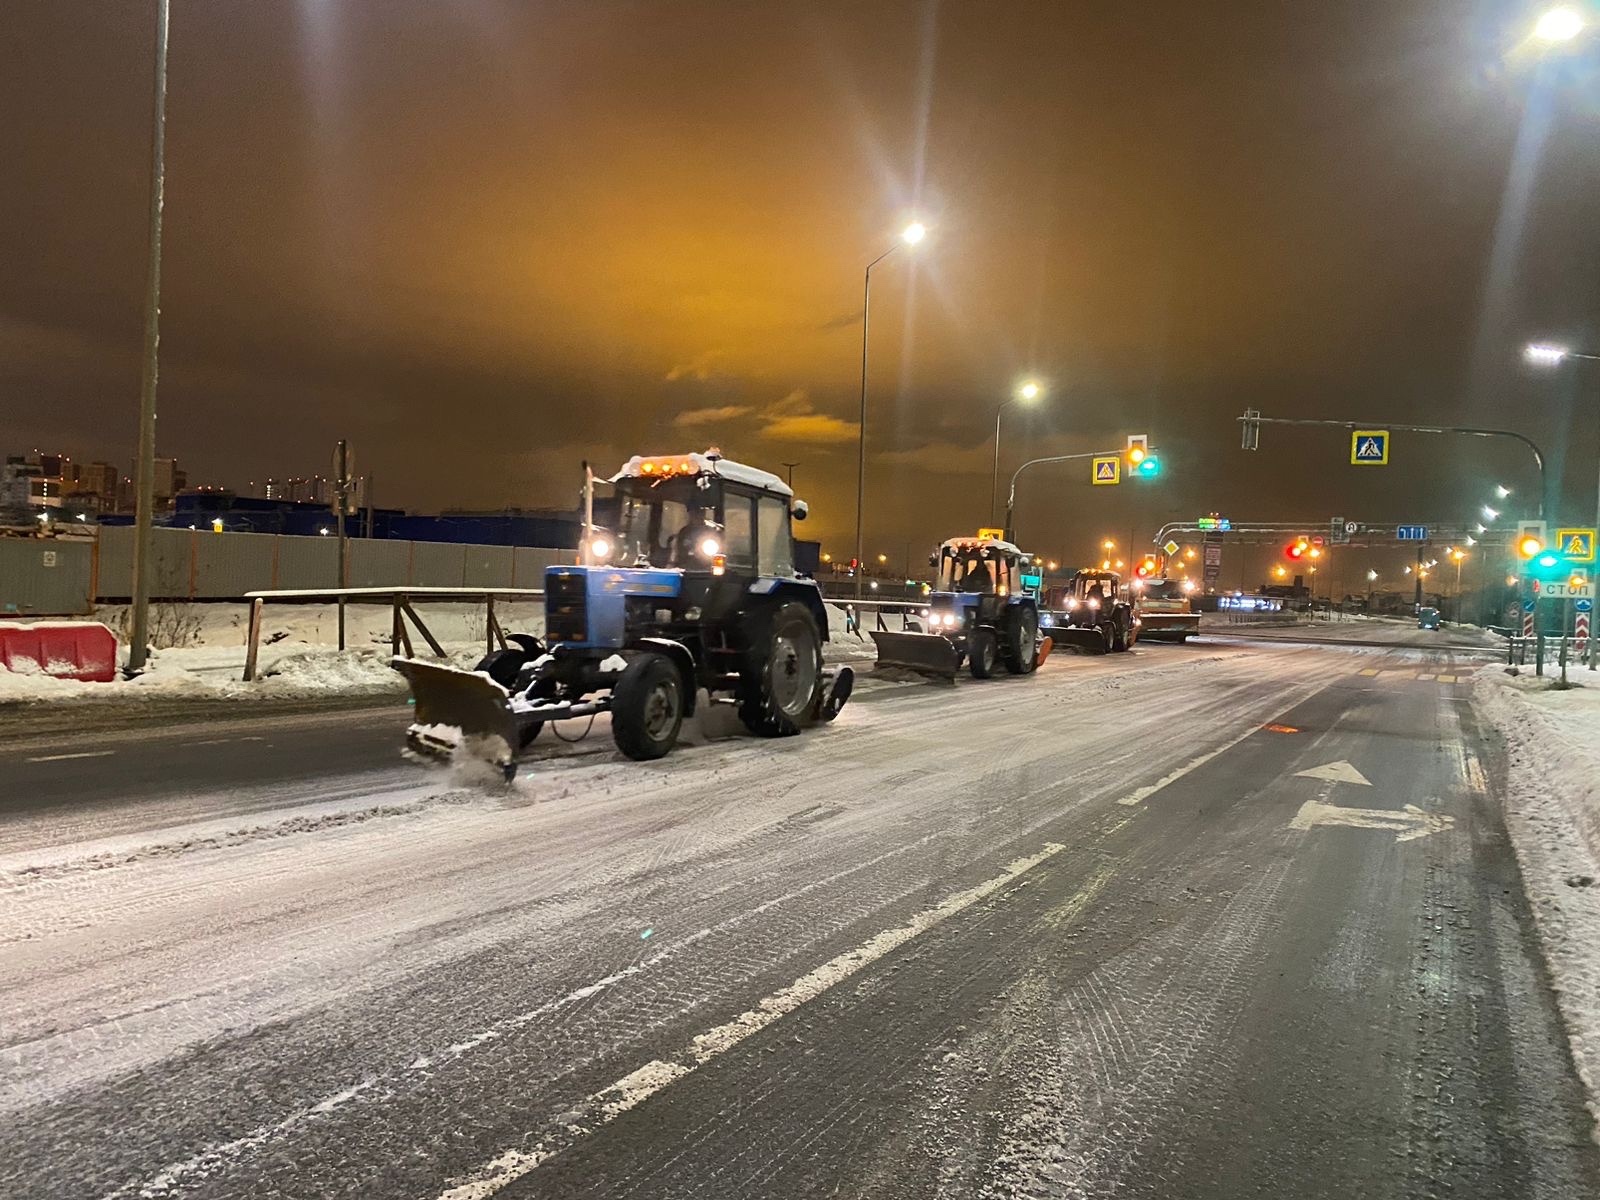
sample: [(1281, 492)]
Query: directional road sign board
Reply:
[(1575, 544), (1107, 469), (1412, 533), (1369, 447)]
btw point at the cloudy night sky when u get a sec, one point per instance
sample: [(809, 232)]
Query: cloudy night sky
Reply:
[(487, 239)]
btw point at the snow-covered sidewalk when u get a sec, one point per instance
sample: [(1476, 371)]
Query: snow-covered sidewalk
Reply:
[(1553, 815)]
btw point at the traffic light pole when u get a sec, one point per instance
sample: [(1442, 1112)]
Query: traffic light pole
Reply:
[(1011, 496), (1252, 420)]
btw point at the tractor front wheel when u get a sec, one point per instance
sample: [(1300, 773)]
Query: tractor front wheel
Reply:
[(983, 648), (1022, 639), (647, 707), (781, 677), (1119, 634)]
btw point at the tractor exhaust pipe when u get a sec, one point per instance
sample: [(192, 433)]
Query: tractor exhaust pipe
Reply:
[(585, 555)]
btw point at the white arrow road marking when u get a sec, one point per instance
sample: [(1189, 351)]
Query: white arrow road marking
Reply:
[(1338, 772), (1408, 823)]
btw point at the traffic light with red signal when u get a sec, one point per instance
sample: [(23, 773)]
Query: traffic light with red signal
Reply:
[(1297, 549)]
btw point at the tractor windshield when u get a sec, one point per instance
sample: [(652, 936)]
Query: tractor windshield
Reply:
[(968, 569), (661, 523)]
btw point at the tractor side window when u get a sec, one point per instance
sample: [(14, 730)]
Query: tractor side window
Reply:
[(772, 541), (738, 528)]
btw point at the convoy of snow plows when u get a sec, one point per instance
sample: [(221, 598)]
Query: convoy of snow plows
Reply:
[(695, 589)]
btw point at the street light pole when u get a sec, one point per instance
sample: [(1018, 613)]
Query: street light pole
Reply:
[(790, 467), (910, 236), (145, 472), (1028, 391)]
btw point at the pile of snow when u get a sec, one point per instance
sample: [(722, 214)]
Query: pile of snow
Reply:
[(1553, 815), (299, 656)]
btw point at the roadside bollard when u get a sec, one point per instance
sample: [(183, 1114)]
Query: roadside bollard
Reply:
[(1538, 655)]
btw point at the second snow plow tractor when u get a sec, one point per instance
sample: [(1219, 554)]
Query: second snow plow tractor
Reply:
[(694, 589), (1092, 612), (981, 612)]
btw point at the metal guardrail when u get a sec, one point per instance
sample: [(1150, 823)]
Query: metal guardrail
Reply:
[(878, 607), (402, 610), (1556, 648)]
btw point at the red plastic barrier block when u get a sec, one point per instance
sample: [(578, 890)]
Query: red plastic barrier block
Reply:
[(84, 650)]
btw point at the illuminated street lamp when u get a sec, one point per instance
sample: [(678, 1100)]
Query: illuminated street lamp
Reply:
[(1557, 25), (1502, 490), (1490, 514), (909, 236), (1026, 393), (1108, 544)]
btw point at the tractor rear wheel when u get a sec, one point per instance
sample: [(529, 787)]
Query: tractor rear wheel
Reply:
[(781, 678), (647, 707), (1022, 639), (502, 666), (983, 648)]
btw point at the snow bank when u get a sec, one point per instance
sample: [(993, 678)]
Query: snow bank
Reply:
[(299, 656), (1553, 816)]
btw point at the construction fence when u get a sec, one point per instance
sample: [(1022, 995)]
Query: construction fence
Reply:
[(68, 576)]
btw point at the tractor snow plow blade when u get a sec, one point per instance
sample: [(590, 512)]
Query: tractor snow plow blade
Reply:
[(449, 699), (1042, 651), (924, 653), (1087, 641)]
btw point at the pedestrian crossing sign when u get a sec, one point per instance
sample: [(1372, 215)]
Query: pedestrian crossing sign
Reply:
[(1577, 545), (1369, 447), (1107, 469)]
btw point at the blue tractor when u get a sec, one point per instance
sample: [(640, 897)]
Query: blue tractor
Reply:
[(984, 610), (694, 589)]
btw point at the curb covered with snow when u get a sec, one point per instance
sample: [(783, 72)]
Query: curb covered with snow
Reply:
[(1552, 810)]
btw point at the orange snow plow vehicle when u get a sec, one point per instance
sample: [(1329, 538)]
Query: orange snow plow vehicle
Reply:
[(1165, 611)]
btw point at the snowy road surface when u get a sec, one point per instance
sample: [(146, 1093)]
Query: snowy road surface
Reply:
[(1218, 920)]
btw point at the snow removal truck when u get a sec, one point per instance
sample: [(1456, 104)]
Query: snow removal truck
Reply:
[(984, 610), (695, 588)]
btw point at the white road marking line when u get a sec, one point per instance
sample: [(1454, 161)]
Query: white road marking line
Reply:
[(1144, 793), (63, 757), (227, 1154), (633, 1089), (221, 741)]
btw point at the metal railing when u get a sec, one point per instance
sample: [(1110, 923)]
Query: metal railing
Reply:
[(1555, 648), (905, 608), (399, 600)]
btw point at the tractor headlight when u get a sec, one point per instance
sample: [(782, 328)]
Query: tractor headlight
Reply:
[(600, 547), (1094, 604), (710, 547), (1071, 604)]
